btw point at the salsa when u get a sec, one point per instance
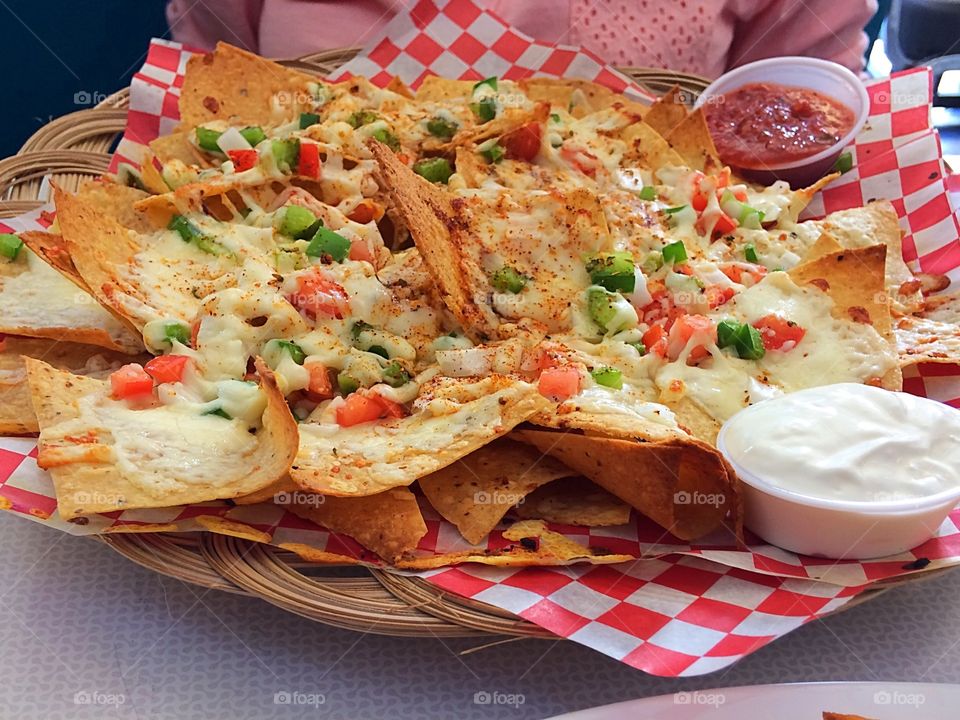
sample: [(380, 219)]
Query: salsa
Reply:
[(766, 124)]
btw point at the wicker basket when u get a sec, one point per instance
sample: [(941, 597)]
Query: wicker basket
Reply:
[(76, 147)]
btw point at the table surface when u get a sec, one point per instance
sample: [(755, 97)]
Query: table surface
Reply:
[(85, 633)]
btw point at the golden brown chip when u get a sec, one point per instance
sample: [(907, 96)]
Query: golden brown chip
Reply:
[(16, 409), (398, 86), (454, 418), (239, 87), (691, 139), (104, 456), (534, 544), (646, 148), (683, 485), (476, 491), (923, 340), (389, 523), (437, 89), (573, 501), (942, 308), (668, 111), (173, 147)]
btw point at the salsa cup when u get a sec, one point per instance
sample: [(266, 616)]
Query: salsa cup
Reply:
[(825, 77)]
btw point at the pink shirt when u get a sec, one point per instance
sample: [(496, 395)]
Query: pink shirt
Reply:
[(705, 37)]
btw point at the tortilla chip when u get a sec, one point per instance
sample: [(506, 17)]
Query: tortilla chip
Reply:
[(667, 112), (455, 417), (573, 501), (398, 86), (269, 493), (874, 224), (511, 119), (239, 87), (103, 456), (223, 526), (168, 148), (437, 89), (476, 491), (536, 545), (942, 308), (16, 409), (691, 139), (389, 523), (683, 484), (55, 253), (647, 148), (922, 340), (826, 244)]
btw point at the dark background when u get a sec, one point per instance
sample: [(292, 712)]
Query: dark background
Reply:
[(63, 56)]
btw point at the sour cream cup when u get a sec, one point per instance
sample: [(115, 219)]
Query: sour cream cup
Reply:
[(823, 76), (823, 526)]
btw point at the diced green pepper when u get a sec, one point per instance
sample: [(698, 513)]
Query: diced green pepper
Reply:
[(307, 119), (387, 138), (743, 337), (750, 254), (436, 170), (186, 229), (327, 242), (750, 218), (362, 117), (485, 109), (296, 352), (507, 279), (379, 350), (219, 412), (10, 245), (130, 176), (608, 377), (210, 246), (639, 347), (358, 327), (614, 271), (347, 383), (177, 331), (492, 152), (675, 209), (207, 139), (554, 117), (844, 163), (727, 332), (648, 192), (298, 222), (253, 135), (395, 375), (675, 253), (286, 153), (490, 82), (442, 128)]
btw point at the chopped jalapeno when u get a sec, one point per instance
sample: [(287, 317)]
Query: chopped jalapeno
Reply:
[(844, 163), (613, 271), (298, 222), (436, 170), (296, 352), (387, 138), (608, 377), (490, 82), (307, 119), (362, 117), (485, 109), (177, 331), (507, 279), (675, 253), (727, 332), (750, 254), (395, 375), (286, 152), (10, 245), (207, 139), (327, 242), (648, 192), (442, 128), (253, 135), (492, 152)]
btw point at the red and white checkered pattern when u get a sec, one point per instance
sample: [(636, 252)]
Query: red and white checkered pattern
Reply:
[(683, 609)]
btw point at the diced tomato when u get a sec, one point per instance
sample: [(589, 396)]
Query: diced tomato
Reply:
[(684, 269), (404, 158), (130, 381), (740, 195), (581, 159), (698, 328), (358, 408), (365, 406), (718, 295), (366, 211), (655, 340), (724, 225), (194, 332), (320, 387), (559, 383), (243, 159), (319, 295), (736, 272), (309, 163), (360, 250), (523, 143), (779, 333), (699, 199), (167, 368)]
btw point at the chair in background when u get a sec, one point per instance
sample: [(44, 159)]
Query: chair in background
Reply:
[(925, 32)]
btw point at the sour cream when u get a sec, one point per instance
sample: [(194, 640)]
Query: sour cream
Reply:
[(848, 442)]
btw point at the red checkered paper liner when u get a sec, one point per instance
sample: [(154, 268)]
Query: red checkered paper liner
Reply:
[(683, 609)]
